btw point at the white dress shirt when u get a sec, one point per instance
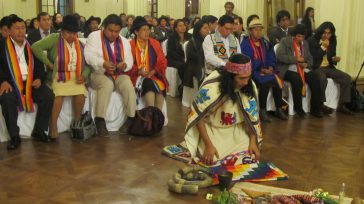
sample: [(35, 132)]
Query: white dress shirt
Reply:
[(94, 56), (21, 58), (208, 49), (42, 34)]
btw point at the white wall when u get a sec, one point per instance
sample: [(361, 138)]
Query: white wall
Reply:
[(25, 9), (99, 8), (173, 8)]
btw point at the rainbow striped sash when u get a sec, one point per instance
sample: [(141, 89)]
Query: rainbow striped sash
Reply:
[(25, 101), (115, 57), (64, 73)]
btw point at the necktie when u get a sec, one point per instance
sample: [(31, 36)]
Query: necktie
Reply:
[(46, 33)]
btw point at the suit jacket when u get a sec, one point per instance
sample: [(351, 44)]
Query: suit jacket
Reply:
[(318, 53), (285, 56), (276, 34), (35, 36), (4, 68)]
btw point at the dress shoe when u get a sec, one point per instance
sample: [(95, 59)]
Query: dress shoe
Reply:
[(300, 113), (101, 127), (280, 114), (317, 114), (326, 110), (264, 116), (14, 143), (125, 127), (40, 135), (344, 109)]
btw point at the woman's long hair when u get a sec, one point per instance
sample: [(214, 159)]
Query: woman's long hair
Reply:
[(321, 29), (227, 86), (306, 17), (196, 33)]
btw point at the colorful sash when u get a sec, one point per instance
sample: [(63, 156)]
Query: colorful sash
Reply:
[(64, 74), (147, 63), (25, 101), (219, 47), (299, 68), (259, 54), (115, 57)]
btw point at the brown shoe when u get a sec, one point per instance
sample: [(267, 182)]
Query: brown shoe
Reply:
[(101, 127)]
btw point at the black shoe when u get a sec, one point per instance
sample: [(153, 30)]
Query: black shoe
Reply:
[(317, 114), (14, 143), (300, 113), (326, 110), (280, 114), (125, 127), (40, 135), (101, 127), (264, 116), (345, 110)]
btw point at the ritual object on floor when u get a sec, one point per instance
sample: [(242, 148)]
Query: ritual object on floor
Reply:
[(225, 179), (189, 180)]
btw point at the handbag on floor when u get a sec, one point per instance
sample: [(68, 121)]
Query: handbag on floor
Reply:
[(85, 128), (147, 122)]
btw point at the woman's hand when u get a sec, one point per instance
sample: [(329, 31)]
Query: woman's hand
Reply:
[(253, 148), (209, 153), (143, 73)]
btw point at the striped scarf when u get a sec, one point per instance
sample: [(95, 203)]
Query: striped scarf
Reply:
[(299, 68), (64, 74), (147, 63), (115, 57), (24, 97), (259, 54)]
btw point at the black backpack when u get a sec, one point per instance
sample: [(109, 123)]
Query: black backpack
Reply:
[(147, 122)]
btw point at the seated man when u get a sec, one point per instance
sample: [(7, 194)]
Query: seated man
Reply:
[(109, 54), (282, 30), (219, 46), (264, 74), (21, 77), (323, 49), (224, 117), (294, 63)]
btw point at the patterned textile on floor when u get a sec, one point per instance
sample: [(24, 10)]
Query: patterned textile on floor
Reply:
[(243, 166)]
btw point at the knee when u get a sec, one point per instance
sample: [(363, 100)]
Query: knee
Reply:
[(106, 86), (124, 81)]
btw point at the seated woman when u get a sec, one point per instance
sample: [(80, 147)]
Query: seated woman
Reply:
[(323, 49), (69, 70), (148, 72), (175, 53), (195, 62), (224, 117), (261, 53)]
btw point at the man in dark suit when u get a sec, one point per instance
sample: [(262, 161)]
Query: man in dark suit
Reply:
[(21, 84), (44, 30), (282, 30)]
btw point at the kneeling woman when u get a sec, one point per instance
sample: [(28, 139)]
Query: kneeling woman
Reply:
[(66, 59), (150, 64), (224, 117)]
